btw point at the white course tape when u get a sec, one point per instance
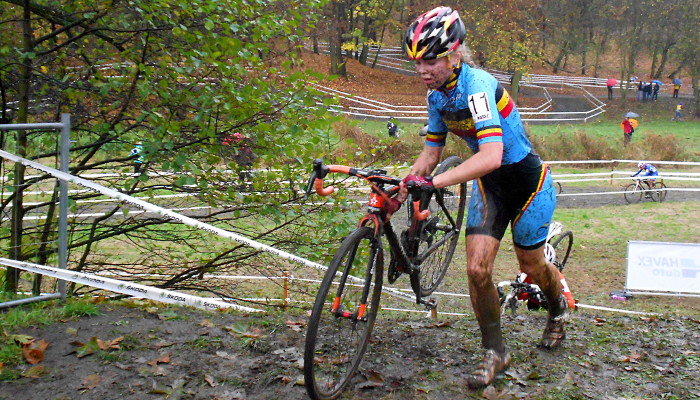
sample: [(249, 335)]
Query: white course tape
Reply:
[(179, 217), (129, 288), (615, 310)]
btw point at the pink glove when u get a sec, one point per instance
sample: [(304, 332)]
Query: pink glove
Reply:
[(422, 182)]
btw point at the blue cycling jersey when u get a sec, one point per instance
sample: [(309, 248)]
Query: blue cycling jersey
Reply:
[(649, 168), (478, 110)]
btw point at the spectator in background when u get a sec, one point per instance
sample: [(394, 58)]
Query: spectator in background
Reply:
[(678, 116), (610, 84), (243, 156), (640, 90), (655, 95), (627, 130), (676, 89), (137, 155), (392, 128), (647, 91)]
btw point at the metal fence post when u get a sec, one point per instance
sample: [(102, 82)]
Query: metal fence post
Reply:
[(63, 203), (64, 141)]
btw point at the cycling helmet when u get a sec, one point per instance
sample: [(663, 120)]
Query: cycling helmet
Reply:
[(640, 165), (434, 34)]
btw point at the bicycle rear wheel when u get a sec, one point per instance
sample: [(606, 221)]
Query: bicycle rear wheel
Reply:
[(343, 315), (562, 248), (633, 193), (659, 192), (438, 228)]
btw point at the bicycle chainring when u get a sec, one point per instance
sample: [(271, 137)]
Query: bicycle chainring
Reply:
[(392, 273)]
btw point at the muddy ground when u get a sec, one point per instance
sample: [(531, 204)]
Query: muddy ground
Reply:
[(137, 350), (151, 352)]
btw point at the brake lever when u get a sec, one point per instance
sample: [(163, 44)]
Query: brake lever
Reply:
[(310, 185)]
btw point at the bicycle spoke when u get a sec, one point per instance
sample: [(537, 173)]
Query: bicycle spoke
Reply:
[(438, 239), (633, 193)]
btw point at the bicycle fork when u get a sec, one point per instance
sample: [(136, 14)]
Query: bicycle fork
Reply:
[(359, 315)]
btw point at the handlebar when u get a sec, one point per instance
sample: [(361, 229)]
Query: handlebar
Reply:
[(320, 170)]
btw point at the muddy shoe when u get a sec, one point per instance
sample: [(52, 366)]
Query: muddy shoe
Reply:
[(554, 332), (491, 364)]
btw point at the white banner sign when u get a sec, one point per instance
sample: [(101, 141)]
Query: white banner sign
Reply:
[(665, 267)]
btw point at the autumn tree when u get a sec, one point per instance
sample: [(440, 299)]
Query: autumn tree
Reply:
[(506, 34), (180, 77)]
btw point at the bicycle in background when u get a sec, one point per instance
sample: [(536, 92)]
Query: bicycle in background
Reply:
[(643, 188), (523, 290), (347, 302)]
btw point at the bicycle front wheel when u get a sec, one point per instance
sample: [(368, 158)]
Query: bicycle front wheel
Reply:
[(562, 249), (438, 230), (343, 315), (633, 193)]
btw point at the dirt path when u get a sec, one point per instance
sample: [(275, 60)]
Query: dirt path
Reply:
[(188, 354)]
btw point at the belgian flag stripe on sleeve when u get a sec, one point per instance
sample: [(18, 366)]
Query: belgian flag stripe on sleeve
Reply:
[(489, 132), (505, 104)]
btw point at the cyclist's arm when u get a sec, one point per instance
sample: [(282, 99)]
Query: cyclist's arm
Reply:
[(638, 172), (427, 161), (487, 159)]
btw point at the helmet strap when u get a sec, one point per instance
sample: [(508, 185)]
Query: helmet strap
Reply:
[(456, 69)]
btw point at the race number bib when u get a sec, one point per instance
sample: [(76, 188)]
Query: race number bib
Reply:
[(479, 106)]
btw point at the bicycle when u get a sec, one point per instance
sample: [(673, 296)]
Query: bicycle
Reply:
[(347, 302), (522, 290), (642, 187)]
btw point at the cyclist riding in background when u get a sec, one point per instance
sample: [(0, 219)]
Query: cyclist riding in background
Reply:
[(511, 184), (649, 169)]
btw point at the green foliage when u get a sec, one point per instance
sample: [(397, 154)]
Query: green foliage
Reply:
[(603, 141), (75, 308), (179, 77)]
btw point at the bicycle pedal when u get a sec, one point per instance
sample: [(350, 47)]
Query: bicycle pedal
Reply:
[(429, 304)]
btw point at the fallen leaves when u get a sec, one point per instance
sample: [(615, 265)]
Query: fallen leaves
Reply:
[(632, 358), (89, 382), (36, 371), (162, 359), (32, 349), (296, 326), (94, 345)]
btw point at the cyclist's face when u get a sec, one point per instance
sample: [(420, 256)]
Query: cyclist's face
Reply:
[(434, 73)]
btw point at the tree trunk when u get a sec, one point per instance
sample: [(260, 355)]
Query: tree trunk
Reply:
[(336, 42), (365, 35), (654, 61), (696, 93), (662, 64), (515, 85), (11, 275), (598, 51)]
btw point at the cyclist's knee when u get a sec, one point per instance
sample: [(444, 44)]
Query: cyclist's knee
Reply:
[(531, 262), (479, 273)]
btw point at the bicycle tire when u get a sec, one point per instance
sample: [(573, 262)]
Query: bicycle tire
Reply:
[(563, 243), (633, 194), (337, 340), (437, 227), (659, 192)]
